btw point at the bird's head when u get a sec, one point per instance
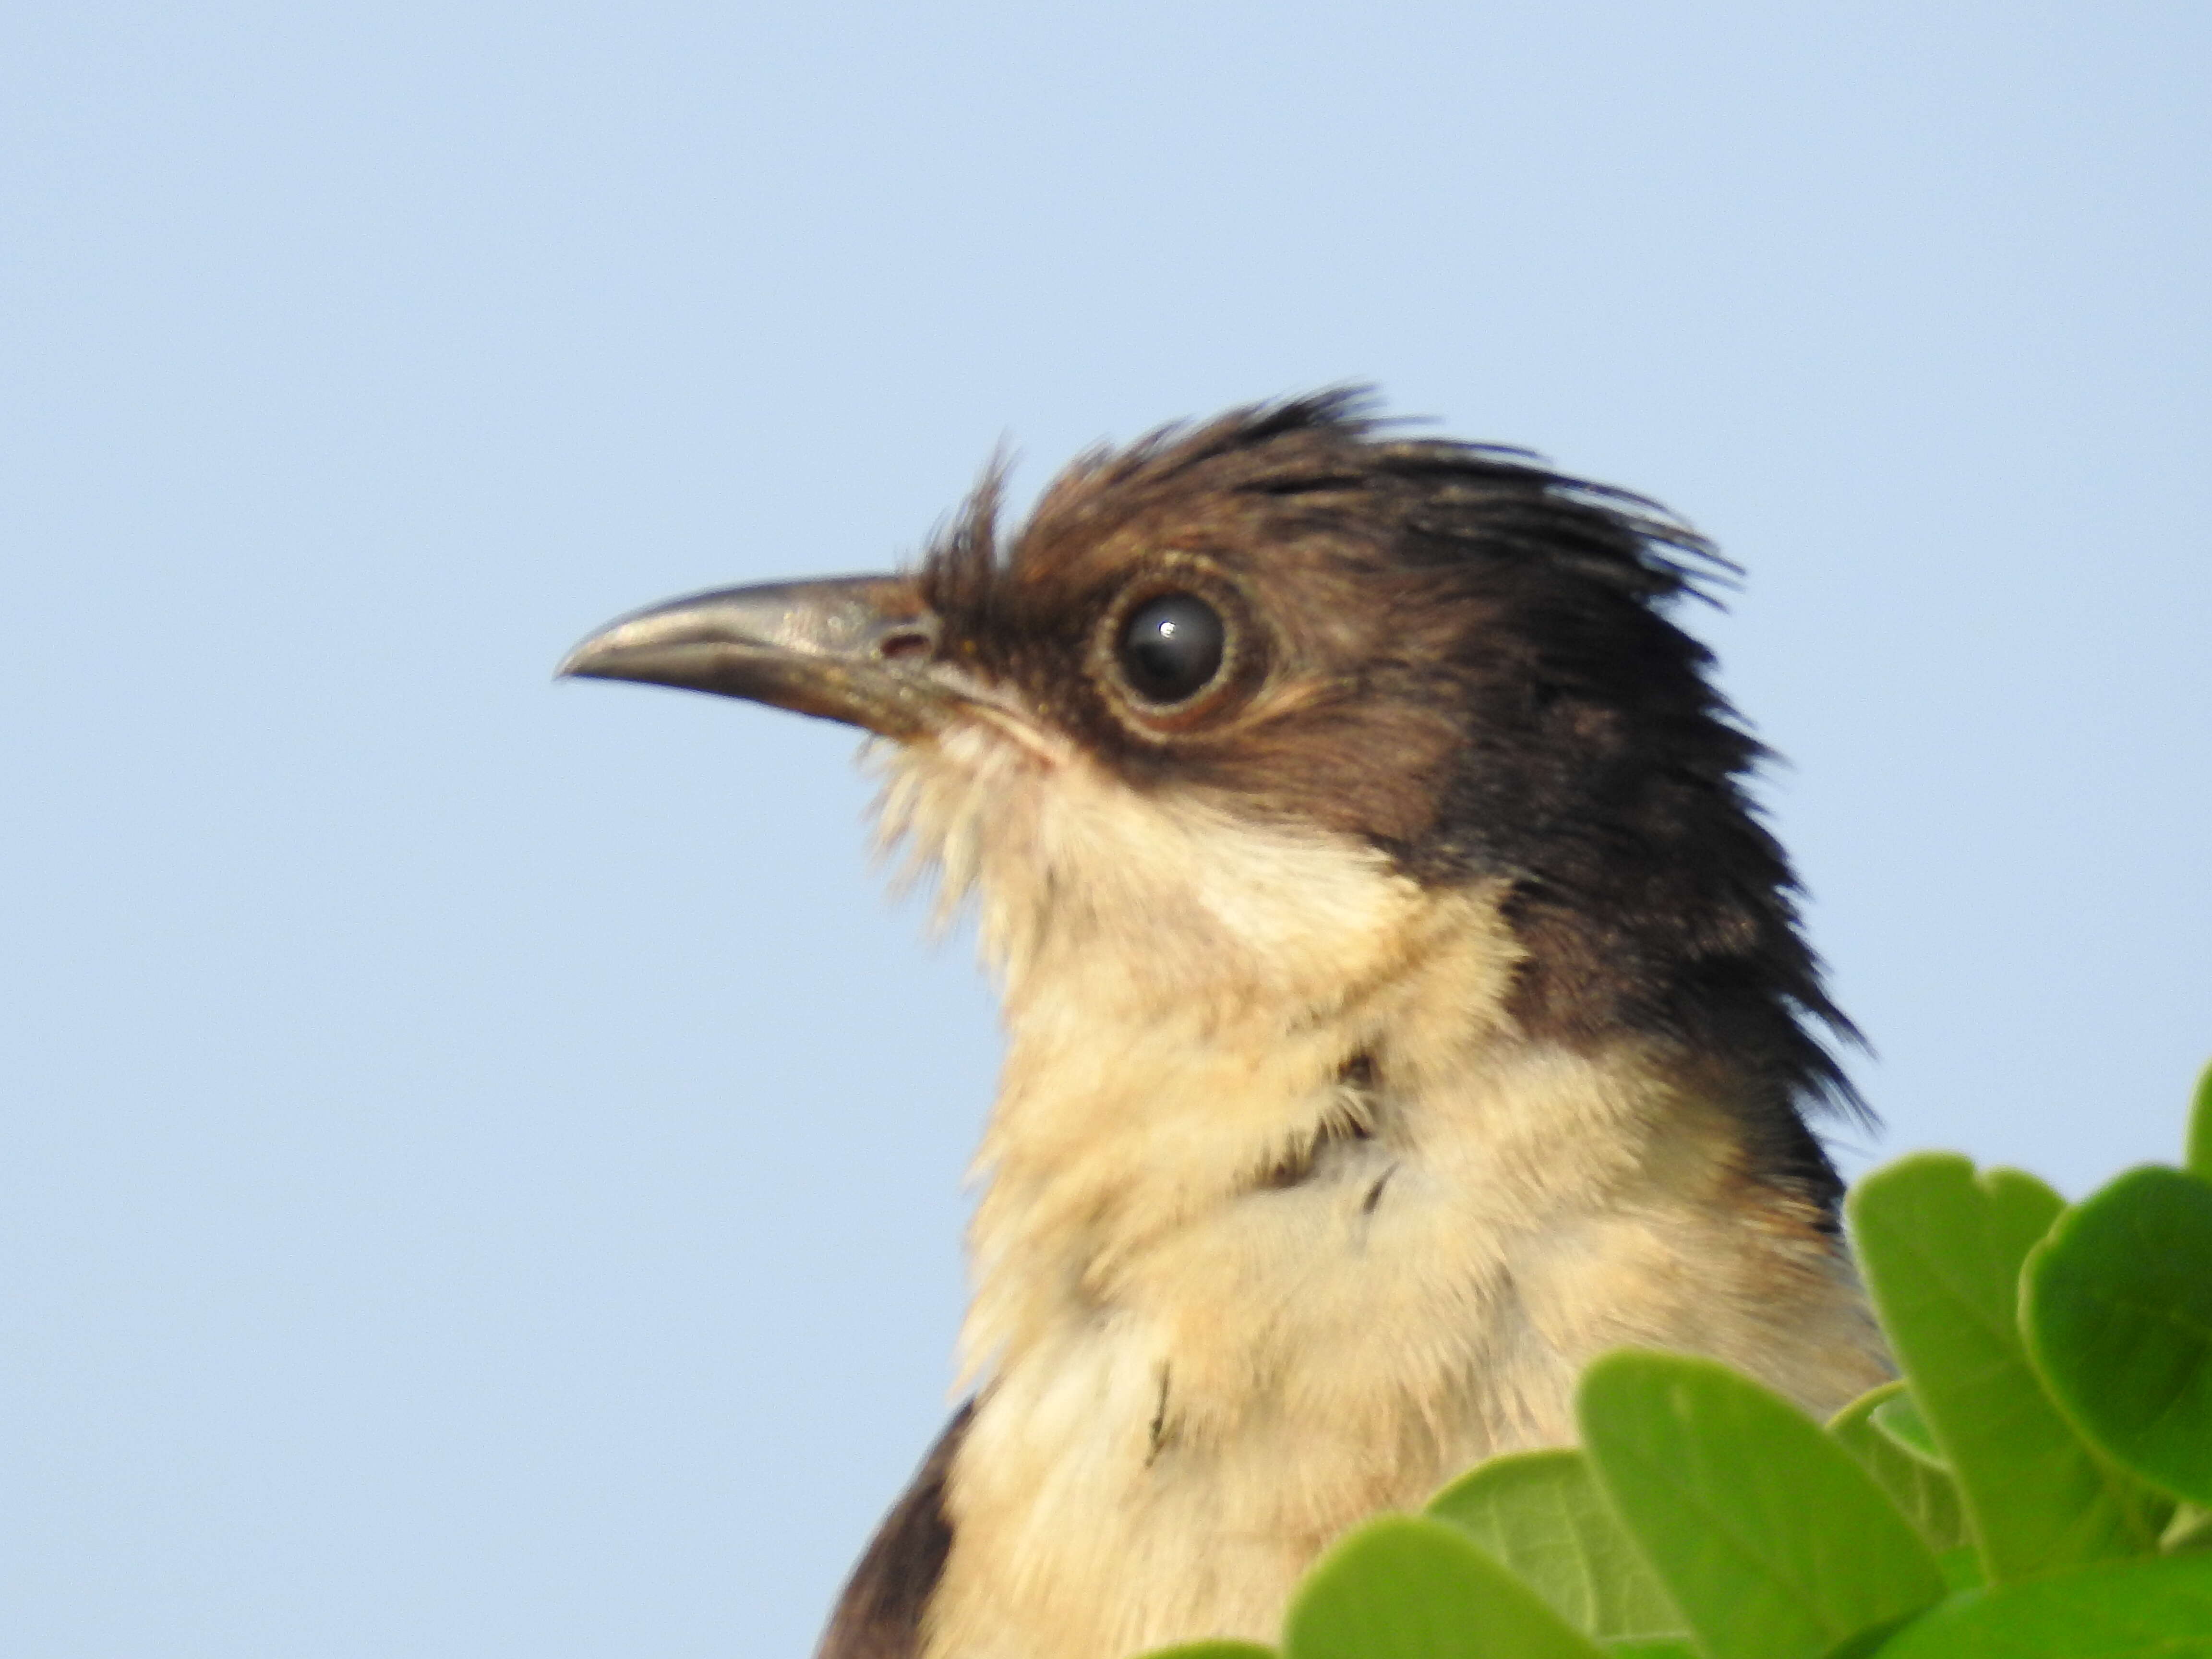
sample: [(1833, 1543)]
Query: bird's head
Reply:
[(1241, 705)]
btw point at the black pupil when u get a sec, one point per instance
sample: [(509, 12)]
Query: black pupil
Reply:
[(1172, 647)]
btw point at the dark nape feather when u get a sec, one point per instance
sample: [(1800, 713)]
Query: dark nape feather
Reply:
[(879, 1615)]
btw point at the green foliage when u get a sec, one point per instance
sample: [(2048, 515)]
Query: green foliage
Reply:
[(1543, 1515), (1920, 1486), (2150, 1609), (1408, 1588), (2199, 1161), (1941, 1249), (1772, 1539), (2037, 1484), (2118, 1307), (1899, 1418)]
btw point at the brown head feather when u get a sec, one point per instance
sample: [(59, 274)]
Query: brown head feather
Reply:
[(1464, 659)]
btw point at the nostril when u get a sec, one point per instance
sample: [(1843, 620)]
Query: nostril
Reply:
[(905, 644)]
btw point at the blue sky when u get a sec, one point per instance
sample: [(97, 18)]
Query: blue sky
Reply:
[(484, 1159)]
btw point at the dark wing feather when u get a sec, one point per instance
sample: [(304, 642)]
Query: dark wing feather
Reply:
[(879, 1615)]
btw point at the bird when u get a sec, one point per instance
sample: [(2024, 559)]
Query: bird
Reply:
[(1404, 1000)]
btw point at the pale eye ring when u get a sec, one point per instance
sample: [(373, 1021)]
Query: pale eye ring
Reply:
[(1172, 647)]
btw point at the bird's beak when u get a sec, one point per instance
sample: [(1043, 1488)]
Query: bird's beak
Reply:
[(854, 648)]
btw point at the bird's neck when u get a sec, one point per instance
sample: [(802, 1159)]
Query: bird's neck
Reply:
[(1240, 1053), (1285, 1220), (1173, 1145), (1247, 1271)]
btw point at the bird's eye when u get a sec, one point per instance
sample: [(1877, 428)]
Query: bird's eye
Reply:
[(1172, 647)]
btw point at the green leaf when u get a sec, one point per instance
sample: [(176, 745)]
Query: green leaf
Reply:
[(2190, 1529), (1772, 1540), (1924, 1491), (2199, 1157), (1404, 1587), (2021, 1210), (1900, 1420), (1652, 1647), (1962, 1568), (2158, 1609), (2118, 1313), (1543, 1515), (1943, 1254), (1214, 1650), (1869, 1641)]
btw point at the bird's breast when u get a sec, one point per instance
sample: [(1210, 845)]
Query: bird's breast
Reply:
[(1185, 1406), (1167, 1462)]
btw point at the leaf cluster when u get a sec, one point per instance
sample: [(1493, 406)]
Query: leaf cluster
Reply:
[(2036, 1485)]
